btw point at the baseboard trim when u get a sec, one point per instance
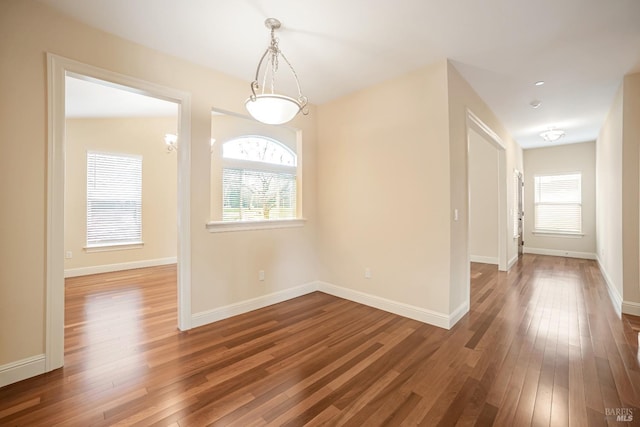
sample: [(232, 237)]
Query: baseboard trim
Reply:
[(458, 314), (557, 252), (406, 310), (512, 261), (614, 295), (424, 315), (484, 259), (220, 313), (108, 268), (632, 308), (21, 370)]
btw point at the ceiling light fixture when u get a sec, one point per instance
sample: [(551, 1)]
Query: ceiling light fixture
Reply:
[(535, 103), (552, 135), (270, 107), (539, 83)]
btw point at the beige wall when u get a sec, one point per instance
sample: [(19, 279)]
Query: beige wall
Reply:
[(141, 136), (399, 222), (617, 187), (462, 98), (609, 194), (558, 160), (631, 190), (483, 199), (384, 196), (224, 265)]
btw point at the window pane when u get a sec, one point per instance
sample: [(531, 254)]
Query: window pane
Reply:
[(558, 188), (257, 195), (558, 218), (114, 199), (558, 203), (259, 149)]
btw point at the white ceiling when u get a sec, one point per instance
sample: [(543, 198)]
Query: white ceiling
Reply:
[(88, 99), (581, 48)]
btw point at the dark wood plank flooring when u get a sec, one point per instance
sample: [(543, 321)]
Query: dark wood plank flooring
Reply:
[(542, 345)]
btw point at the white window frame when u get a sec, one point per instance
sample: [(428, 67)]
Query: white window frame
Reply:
[(116, 244), (241, 225), (536, 203)]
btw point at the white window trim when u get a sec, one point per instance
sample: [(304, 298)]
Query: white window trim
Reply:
[(544, 233), (102, 247), (113, 247), (257, 166), (225, 226), (553, 233), (220, 226)]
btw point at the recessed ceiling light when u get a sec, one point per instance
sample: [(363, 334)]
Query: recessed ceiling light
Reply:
[(539, 83), (552, 135), (535, 103)]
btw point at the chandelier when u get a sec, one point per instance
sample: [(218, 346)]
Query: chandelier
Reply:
[(264, 104)]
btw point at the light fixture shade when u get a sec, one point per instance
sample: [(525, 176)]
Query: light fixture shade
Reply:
[(552, 135), (272, 109)]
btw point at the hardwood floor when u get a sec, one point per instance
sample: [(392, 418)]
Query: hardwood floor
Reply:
[(542, 345)]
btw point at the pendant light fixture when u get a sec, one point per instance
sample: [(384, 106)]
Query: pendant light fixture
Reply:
[(264, 104), (552, 135)]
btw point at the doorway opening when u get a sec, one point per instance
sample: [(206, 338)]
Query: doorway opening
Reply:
[(95, 143), (496, 213), (518, 210), (483, 199)]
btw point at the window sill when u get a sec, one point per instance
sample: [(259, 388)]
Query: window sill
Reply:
[(113, 247), (558, 234), (224, 226)]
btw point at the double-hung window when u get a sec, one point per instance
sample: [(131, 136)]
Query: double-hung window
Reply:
[(558, 204), (114, 199), (258, 180)]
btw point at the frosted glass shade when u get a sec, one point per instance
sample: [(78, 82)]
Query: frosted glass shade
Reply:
[(272, 109)]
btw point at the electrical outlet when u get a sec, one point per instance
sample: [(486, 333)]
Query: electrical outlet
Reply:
[(367, 273), (68, 255), (261, 275)]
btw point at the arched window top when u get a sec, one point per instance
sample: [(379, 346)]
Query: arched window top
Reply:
[(259, 149)]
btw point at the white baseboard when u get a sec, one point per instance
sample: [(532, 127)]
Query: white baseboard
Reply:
[(557, 252), (21, 370), (614, 294), (210, 316), (484, 259), (632, 308), (108, 268), (417, 313), (458, 314), (512, 261)]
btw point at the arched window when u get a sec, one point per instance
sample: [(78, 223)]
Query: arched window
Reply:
[(258, 179)]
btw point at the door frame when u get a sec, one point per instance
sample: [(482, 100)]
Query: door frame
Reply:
[(58, 68), (475, 123), (519, 202)]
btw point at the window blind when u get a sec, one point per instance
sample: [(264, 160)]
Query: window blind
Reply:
[(558, 203), (257, 195), (114, 199)]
